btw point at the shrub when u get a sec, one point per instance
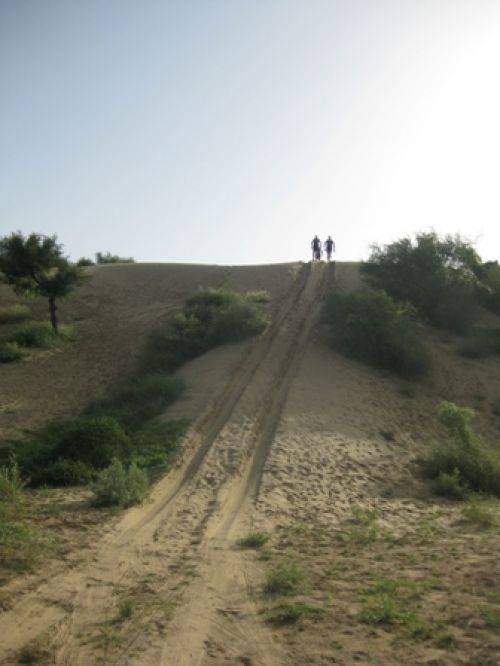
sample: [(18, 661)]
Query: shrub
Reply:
[(40, 334), (11, 351), (258, 296), (84, 261), (109, 258), (92, 440), (210, 317), (291, 613), (437, 275), (479, 514), (286, 579), (14, 313), (155, 443), (69, 473), (117, 486), (254, 540), (462, 461), (370, 326), (450, 485)]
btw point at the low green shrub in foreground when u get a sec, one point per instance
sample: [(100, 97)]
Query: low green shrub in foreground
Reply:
[(14, 313), (372, 327), (463, 462), (11, 351), (118, 486)]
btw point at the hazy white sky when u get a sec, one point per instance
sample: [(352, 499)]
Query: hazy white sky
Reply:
[(231, 131)]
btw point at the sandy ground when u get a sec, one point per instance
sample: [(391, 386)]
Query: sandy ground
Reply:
[(294, 438)]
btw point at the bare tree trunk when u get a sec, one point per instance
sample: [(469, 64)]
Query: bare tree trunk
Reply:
[(53, 310)]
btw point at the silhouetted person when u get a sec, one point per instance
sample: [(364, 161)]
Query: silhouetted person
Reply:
[(329, 247), (316, 248)]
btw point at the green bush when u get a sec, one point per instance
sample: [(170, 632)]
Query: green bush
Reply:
[(286, 578), (254, 540), (289, 613), (108, 258), (462, 462), (11, 351), (14, 313), (64, 472), (481, 342), (210, 317), (437, 275), (450, 485), (92, 440), (118, 486), (84, 261), (68, 452), (370, 326), (40, 334), (154, 445)]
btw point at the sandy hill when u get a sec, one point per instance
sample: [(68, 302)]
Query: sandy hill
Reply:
[(288, 439)]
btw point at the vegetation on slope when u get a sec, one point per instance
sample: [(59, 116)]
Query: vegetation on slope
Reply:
[(118, 437), (372, 327)]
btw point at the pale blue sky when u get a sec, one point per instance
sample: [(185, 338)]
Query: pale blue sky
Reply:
[(231, 131)]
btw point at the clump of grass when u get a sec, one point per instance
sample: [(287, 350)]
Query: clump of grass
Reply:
[(372, 327), (11, 351), (492, 618), (118, 486), (254, 540), (363, 529), (462, 462), (285, 579), (126, 609), (289, 613), (14, 313), (37, 651), (20, 546), (479, 514), (259, 296)]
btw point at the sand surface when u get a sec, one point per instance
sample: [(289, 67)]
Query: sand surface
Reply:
[(292, 438)]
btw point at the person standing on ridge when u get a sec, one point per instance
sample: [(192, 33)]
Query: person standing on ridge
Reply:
[(329, 247), (316, 248)]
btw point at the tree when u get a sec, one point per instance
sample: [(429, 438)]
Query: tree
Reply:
[(36, 266)]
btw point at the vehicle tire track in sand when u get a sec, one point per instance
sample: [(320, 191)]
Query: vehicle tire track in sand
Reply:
[(219, 621), (48, 604)]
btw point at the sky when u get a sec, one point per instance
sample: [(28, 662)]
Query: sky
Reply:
[(232, 131)]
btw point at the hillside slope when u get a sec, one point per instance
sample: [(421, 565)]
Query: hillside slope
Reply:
[(318, 452)]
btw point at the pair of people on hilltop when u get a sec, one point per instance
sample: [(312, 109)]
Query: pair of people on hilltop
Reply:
[(316, 247)]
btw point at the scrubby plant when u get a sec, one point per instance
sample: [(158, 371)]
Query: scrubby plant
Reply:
[(84, 261), (108, 258), (437, 275), (34, 334), (479, 514), (451, 485), (289, 613), (372, 327), (463, 461), (285, 578), (14, 313), (11, 351), (254, 540), (118, 486), (209, 318)]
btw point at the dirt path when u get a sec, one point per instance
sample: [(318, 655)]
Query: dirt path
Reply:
[(196, 514)]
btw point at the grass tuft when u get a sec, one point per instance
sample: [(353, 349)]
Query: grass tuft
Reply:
[(14, 314), (289, 613), (285, 579), (254, 540)]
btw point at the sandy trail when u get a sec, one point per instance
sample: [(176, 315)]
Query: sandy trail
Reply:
[(195, 515)]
